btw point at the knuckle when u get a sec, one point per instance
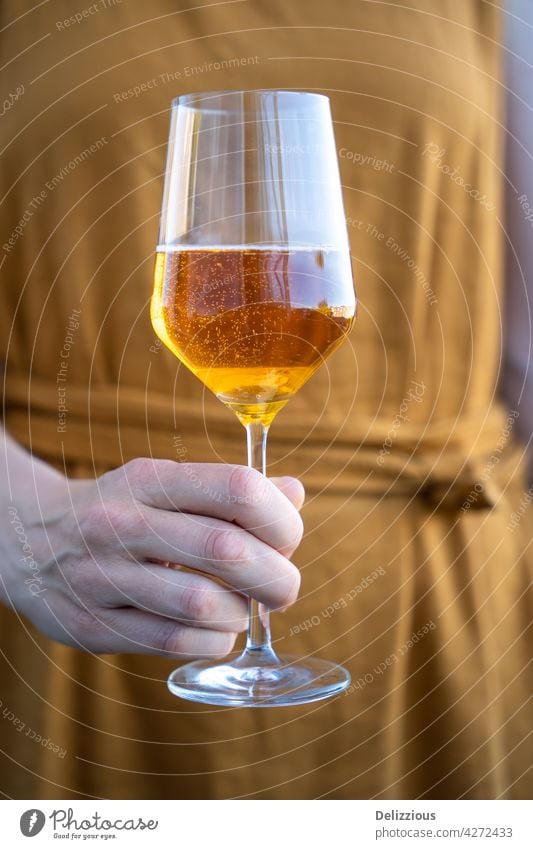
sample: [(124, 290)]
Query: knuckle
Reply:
[(139, 470), (171, 639), (247, 486), (226, 546), (94, 520), (132, 523), (198, 605), (125, 524), (107, 519)]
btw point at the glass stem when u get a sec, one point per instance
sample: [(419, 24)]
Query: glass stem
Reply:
[(258, 642)]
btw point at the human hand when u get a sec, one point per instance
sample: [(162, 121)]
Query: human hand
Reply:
[(108, 551)]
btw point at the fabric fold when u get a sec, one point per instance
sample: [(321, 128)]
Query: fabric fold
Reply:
[(444, 460)]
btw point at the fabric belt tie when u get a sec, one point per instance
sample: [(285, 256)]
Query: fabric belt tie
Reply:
[(450, 462)]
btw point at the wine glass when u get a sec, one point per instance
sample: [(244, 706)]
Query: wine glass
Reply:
[(253, 289)]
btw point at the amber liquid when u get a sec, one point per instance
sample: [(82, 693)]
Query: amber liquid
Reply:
[(252, 323)]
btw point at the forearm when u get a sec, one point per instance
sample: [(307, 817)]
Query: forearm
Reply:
[(23, 476), (25, 483)]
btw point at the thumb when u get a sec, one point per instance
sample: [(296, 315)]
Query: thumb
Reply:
[(291, 489)]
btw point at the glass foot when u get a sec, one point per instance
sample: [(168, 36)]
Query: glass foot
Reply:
[(259, 680)]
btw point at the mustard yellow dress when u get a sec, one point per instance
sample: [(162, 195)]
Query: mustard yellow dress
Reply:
[(414, 574)]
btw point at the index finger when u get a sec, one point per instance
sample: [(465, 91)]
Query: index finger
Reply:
[(229, 492)]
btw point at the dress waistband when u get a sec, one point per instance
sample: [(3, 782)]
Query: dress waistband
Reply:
[(445, 460)]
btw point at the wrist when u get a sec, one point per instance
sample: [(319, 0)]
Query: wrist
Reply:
[(34, 497)]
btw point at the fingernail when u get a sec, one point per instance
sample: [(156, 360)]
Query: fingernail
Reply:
[(292, 488)]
